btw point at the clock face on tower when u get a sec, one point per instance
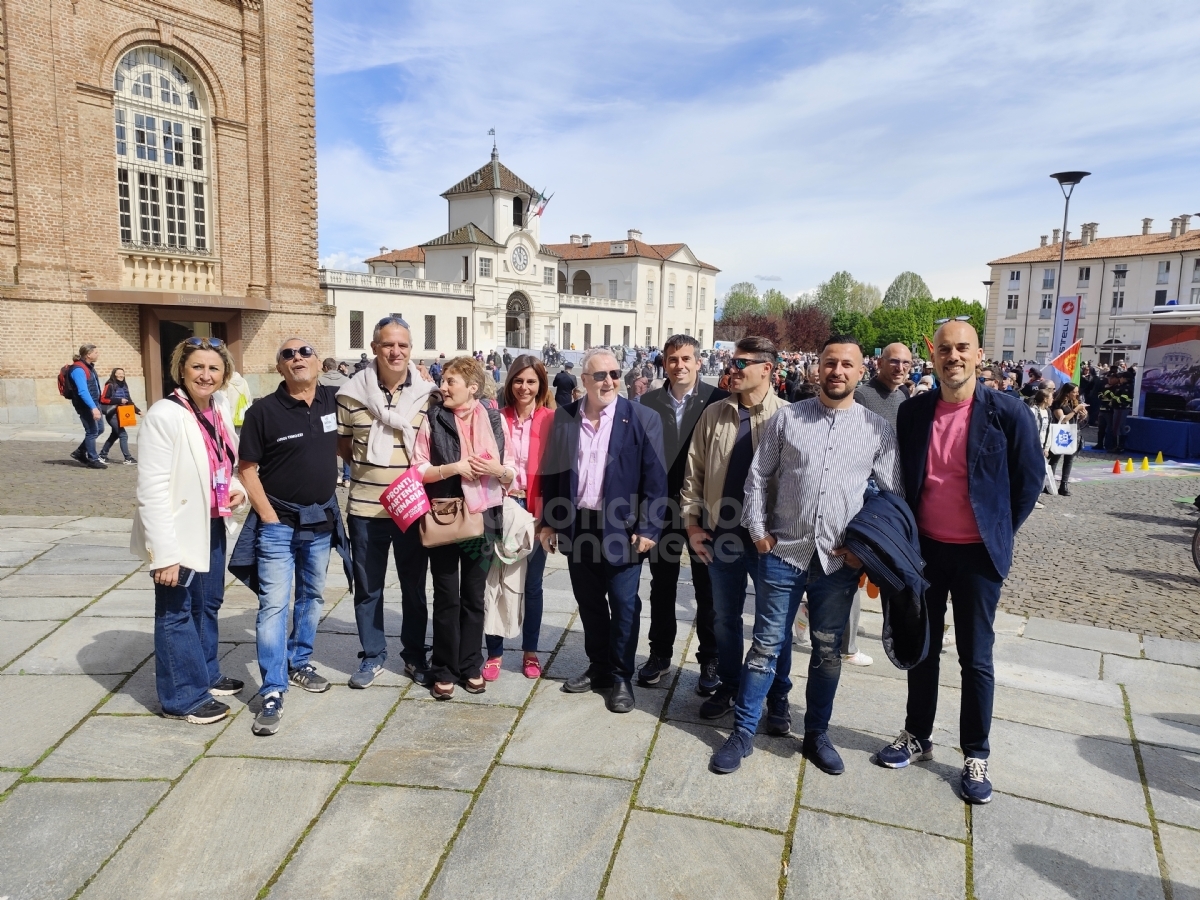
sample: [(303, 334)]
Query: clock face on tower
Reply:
[(520, 258)]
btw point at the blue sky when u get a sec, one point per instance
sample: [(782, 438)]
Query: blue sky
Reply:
[(781, 141)]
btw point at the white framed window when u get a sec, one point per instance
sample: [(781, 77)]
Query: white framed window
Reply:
[(1164, 271), (548, 273), (1118, 299), (1195, 295), (649, 334), (703, 291), (587, 337), (485, 267), (607, 336), (1007, 356), (1010, 336), (1196, 269), (700, 337), (689, 299), (625, 336), (1014, 280), (1160, 298), (1047, 279), (612, 293), (1043, 337), (650, 292), (670, 296), (1085, 276), (1014, 301), (1047, 310), (687, 331), (160, 126)]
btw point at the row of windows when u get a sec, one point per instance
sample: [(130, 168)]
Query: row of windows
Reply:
[(357, 334), (146, 140), (170, 212), (671, 295), (1085, 275)]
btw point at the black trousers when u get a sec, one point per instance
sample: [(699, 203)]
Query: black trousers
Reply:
[(459, 575), (1068, 460), (664, 587)]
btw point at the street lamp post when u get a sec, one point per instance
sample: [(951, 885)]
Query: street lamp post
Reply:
[(1066, 181)]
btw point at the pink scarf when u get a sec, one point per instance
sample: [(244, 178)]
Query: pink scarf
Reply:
[(475, 438), (220, 458)]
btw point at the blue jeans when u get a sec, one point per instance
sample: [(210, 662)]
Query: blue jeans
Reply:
[(280, 558), (534, 570), (780, 590), (92, 429), (185, 633), (728, 571), (118, 433), (371, 540)]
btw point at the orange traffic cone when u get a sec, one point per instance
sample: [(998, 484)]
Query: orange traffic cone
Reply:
[(1117, 467)]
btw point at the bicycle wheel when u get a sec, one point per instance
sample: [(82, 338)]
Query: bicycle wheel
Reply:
[(1196, 548)]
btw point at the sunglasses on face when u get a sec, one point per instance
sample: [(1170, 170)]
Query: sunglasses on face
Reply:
[(304, 352), (740, 364), (200, 342), (599, 377)]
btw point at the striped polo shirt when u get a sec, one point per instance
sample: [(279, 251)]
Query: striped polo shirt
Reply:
[(368, 481)]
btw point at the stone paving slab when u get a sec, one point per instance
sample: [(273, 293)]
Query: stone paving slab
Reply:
[(40, 709), (1037, 852), (84, 568), (1050, 657), (35, 609), (554, 626), (563, 858), (1104, 640), (1082, 773), (218, 809), (1174, 780), (1167, 732), (575, 733), (64, 551), (90, 646), (140, 695), (1183, 653), (1157, 688), (36, 521), (57, 835), (663, 857), (93, 539), (126, 747), (833, 856), (34, 534), (340, 619), (99, 523), (877, 704), (7, 780), (334, 726), (1056, 684), (363, 845), (17, 637), (23, 554), (446, 745), (22, 585), (134, 603), (1181, 848), (1059, 714), (761, 793)]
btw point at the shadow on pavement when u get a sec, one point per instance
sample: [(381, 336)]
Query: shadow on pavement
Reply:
[(1085, 881)]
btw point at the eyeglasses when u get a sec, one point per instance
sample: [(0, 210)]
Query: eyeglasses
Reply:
[(212, 342), (902, 363), (600, 377), (740, 363), (955, 319), (291, 352)]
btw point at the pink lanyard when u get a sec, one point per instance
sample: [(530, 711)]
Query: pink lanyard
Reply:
[(215, 443)]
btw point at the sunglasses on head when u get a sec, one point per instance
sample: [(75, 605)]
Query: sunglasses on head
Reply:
[(599, 377), (955, 319), (201, 341), (304, 352), (741, 363)]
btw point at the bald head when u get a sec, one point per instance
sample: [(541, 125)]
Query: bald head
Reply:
[(956, 355), (894, 365)]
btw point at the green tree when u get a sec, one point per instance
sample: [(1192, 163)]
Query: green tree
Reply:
[(833, 296), (906, 287), (775, 302), (864, 298), (741, 300), (857, 324), (896, 325)]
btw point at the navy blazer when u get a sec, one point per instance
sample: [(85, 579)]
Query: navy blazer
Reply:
[(635, 480), (1005, 466), (678, 440)]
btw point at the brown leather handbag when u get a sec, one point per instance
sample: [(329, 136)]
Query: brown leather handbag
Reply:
[(448, 522)]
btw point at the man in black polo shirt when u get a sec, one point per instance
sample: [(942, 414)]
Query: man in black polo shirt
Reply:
[(288, 440)]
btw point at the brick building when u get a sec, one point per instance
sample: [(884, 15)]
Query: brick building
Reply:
[(157, 180)]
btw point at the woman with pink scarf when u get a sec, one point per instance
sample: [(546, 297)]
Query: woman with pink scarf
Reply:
[(459, 452)]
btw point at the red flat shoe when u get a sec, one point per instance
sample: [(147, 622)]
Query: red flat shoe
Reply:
[(491, 669), (532, 667)]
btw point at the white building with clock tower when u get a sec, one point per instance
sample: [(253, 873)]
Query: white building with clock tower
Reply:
[(489, 282)]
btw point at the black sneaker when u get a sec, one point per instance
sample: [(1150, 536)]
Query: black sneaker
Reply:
[(78, 455), (708, 678), (95, 463), (104, 458), (718, 704), (306, 677), (976, 786), (652, 672), (129, 461), (418, 673), (779, 716), (267, 721), (226, 687), (212, 711)]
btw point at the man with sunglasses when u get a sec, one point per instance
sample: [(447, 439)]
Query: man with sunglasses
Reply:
[(603, 491), (288, 440)]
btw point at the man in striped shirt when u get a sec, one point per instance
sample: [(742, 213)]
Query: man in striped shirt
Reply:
[(806, 483), (378, 454)]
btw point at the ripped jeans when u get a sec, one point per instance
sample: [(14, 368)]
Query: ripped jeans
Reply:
[(781, 587)]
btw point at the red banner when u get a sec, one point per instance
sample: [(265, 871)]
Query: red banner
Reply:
[(405, 499)]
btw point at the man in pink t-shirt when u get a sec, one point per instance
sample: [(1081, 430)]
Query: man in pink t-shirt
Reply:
[(973, 469)]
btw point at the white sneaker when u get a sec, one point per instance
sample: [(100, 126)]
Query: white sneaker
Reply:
[(857, 659), (801, 638), (1039, 505)]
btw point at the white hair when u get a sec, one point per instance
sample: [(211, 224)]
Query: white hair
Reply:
[(287, 341), (592, 353)]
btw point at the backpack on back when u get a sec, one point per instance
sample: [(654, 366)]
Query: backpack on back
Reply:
[(66, 384)]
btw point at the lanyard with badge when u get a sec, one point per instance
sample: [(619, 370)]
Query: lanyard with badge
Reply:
[(220, 479)]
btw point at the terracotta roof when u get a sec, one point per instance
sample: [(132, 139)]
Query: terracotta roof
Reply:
[(494, 176), (467, 234), (1108, 248), (603, 250), (408, 255), (545, 250)]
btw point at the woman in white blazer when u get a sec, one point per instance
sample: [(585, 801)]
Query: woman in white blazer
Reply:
[(186, 494)]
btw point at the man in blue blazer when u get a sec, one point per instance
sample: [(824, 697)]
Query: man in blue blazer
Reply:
[(973, 469), (604, 488)]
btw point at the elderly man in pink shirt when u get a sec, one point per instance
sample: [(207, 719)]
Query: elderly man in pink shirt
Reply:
[(603, 488)]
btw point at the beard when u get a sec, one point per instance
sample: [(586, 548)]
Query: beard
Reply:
[(839, 391), (956, 379)]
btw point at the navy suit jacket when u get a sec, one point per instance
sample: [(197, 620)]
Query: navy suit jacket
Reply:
[(1005, 466), (635, 479)]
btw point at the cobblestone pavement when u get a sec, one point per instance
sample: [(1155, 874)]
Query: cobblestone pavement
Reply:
[(525, 791)]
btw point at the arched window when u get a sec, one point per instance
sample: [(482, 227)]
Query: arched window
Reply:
[(581, 284), (163, 165), (518, 212)]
